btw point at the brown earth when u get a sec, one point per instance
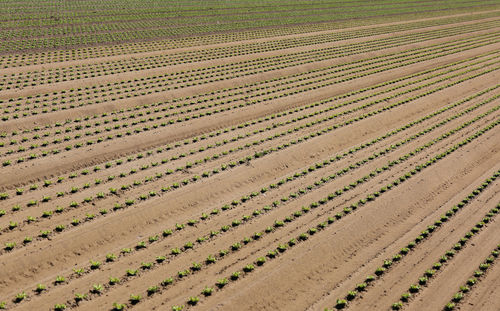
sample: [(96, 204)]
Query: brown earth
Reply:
[(310, 275)]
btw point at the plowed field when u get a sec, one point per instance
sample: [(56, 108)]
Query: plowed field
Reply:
[(252, 155)]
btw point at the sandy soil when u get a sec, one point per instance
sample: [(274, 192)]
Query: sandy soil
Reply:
[(485, 296), (346, 144), (162, 52)]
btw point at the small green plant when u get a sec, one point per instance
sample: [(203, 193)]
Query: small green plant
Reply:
[(118, 306), (429, 273), (160, 259), (281, 248), (60, 280), (97, 288), (193, 300), (221, 282), (135, 299), (80, 297), (113, 281), (207, 291), (341, 303), (59, 307), (379, 271), (351, 295), (40, 288), (361, 287), (423, 280), (414, 288), (210, 259), (405, 297), (457, 297), (94, 265), (152, 289), (152, 239), (20, 297), (10, 246)]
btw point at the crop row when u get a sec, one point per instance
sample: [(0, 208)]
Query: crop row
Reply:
[(292, 196), (18, 45), (105, 190), (141, 198), (229, 165), (80, 93), (160, 83), (154, 113), (429, 49), (268, 118), (446, 257), (189, 165), (162, 20), (114, 119), (282, 248), (279, 224), (115, 67), (29, 11), (59, 210), (7, 61), (35, 78), (477, 276), (388, 263), (129, 132), (80, 20), (220, 143), (137, 130)]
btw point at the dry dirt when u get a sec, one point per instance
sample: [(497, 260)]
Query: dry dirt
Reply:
[(393, 148)]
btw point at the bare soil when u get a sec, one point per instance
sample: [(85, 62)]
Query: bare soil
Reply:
[(273, 159)]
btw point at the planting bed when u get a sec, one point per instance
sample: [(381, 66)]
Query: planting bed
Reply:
[(250, 155)]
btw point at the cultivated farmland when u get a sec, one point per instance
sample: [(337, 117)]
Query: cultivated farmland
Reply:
[(250, 155)]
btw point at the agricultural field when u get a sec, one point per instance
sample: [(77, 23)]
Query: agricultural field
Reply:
[(250, 155)]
